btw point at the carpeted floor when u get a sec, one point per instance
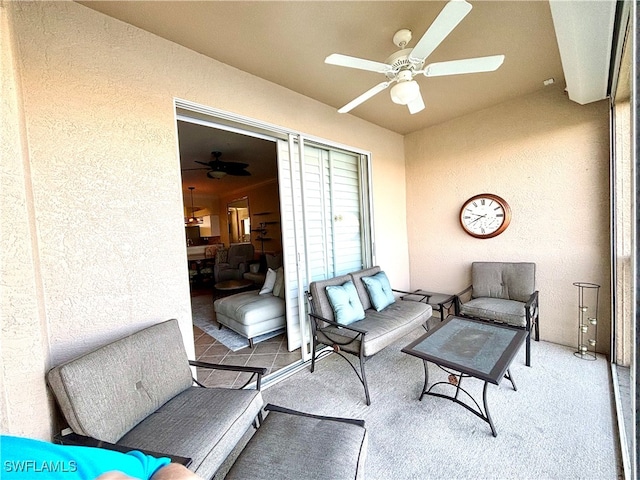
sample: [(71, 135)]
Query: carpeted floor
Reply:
[(558, 425)]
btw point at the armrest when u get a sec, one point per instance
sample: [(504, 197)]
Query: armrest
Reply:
[(275, 408), (336, 324), (466, 290), (234, 368), (259, 371), (403, 291), (457, 298), (83, 441), (532, 302)]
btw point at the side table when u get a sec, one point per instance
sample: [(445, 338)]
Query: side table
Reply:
[(440, 302)]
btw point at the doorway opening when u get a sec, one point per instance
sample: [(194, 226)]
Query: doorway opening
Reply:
[(230, 204), (320, 219)]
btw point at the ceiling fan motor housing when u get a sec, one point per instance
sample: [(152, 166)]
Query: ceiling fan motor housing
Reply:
[(400, 61)]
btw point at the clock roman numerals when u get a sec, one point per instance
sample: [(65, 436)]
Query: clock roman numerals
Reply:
[(485, 216)]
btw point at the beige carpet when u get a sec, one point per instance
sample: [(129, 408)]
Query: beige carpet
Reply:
[(558, 425)]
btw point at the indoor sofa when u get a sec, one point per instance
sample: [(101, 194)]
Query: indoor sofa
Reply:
[(256, 312), (380, 325)]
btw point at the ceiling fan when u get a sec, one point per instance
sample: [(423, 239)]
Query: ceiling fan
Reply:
[(219, 168), (401, 67)]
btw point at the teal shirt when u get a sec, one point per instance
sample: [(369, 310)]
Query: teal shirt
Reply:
[(25, 458)]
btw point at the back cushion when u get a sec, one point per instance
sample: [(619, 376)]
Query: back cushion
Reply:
[(510, 281), (362, 291), (321, 304), (107, 392)]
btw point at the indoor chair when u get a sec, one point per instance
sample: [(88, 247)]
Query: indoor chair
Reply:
[(237, 264)]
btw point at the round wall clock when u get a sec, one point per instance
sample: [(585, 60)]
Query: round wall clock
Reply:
[(485, 215)]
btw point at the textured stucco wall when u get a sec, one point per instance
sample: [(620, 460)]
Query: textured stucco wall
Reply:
[(549, 159), (22, 339), (107, 214)]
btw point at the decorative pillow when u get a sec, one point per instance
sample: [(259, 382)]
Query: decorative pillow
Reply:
[(379, 290), (345, 303), (269, 282), (222, 255), (279, 285), (274, 260)]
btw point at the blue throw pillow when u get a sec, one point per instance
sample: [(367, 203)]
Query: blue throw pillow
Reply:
[(379, 290), (345, 302)]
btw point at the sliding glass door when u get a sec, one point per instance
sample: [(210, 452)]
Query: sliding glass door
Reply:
[(325, 219)]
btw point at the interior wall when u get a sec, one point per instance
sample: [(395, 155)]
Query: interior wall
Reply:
[(548, 158), (107, 227), (264, 206)]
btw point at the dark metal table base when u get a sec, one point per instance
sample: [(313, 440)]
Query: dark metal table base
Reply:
[(484, 415)]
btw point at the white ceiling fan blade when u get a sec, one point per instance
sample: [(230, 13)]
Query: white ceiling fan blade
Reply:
[(450, 16), (360, 63), (364, 97), (467, 65), (416, 105)]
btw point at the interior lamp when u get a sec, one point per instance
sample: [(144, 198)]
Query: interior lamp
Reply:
[(192, 220), (405, 92)]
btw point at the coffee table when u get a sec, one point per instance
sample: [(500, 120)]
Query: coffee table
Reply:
[(464, 347), (233, 285)]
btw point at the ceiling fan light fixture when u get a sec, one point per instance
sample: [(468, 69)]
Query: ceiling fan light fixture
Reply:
[(216, 174), (405, 92)]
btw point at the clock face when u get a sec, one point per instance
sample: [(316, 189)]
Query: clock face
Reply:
[(485, 216)]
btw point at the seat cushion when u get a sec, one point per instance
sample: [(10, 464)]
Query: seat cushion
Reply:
[(383, 328), (290, 446), (249, 308), (203, 424), (507, 311)]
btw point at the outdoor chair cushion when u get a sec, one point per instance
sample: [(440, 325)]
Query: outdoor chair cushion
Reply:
[(499, 310), (188, 426)]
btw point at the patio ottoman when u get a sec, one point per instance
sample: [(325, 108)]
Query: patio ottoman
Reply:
[(294, 445)]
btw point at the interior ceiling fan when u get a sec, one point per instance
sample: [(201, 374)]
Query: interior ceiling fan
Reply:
[(219, 168), (401, 67)]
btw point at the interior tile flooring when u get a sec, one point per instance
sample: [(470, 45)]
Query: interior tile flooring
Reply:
[(271, 354)]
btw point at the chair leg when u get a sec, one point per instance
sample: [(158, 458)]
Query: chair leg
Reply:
[(251, 343), (528, 350), (537, 330), (364, 381), (313, 354)]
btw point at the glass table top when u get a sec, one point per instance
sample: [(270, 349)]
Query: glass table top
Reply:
[(479, 348)]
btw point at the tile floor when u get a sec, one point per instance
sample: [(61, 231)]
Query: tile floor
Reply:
[(271, 354)]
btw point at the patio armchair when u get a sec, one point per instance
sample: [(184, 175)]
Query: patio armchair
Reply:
[(503, 292)]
